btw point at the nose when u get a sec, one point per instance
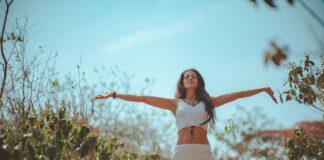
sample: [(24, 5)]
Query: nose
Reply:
[(190, 79)]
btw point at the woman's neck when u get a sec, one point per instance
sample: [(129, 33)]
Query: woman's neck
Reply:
[(191, 95)]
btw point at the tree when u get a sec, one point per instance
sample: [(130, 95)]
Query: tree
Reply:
[(238, 130), (306, 83), (32, 87), (302, 141), (5, 58)]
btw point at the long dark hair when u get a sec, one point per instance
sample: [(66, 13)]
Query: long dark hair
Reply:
[(201, 95)]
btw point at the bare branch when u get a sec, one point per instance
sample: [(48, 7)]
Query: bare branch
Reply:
[(5, 64)]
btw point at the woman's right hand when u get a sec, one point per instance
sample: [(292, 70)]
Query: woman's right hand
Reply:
[(104, 96), (270, 92)]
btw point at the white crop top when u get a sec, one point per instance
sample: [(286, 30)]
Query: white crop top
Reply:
[(187, 115)]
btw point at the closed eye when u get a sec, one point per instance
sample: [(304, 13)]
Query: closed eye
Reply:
[(193, 76)]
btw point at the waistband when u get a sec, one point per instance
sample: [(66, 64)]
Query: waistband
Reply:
[(192, 145)]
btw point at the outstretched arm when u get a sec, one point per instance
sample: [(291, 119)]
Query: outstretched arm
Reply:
[(223, 99), (159, 102)]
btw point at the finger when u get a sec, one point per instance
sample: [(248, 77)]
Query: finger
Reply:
[(271, 92), (275, 99)]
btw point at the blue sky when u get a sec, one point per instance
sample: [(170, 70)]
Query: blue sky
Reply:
[(224, 40)]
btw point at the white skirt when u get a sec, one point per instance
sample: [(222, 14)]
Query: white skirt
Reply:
[(192, 152)]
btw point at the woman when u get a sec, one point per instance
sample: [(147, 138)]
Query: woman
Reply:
[(193, 109)]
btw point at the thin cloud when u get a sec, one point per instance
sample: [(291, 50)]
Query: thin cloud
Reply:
[(150, 36)]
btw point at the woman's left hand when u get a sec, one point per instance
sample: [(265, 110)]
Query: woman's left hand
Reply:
[(270, 92)]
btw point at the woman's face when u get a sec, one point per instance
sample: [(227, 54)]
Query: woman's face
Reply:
[(190, 80)]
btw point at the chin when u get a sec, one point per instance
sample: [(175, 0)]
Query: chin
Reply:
[(191, 87)]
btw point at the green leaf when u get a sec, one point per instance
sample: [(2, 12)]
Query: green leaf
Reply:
[(55, 83), (226, 129)]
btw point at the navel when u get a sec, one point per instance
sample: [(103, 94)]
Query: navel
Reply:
[(192, 131)]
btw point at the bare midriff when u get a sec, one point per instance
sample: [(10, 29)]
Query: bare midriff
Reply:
[(192, 135)]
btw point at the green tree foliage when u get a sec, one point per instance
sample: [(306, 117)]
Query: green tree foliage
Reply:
[(52, 135)]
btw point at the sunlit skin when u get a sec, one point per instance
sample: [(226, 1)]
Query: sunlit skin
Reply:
[(190, 82)]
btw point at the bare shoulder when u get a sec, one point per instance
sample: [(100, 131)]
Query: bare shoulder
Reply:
[(175, 101)]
